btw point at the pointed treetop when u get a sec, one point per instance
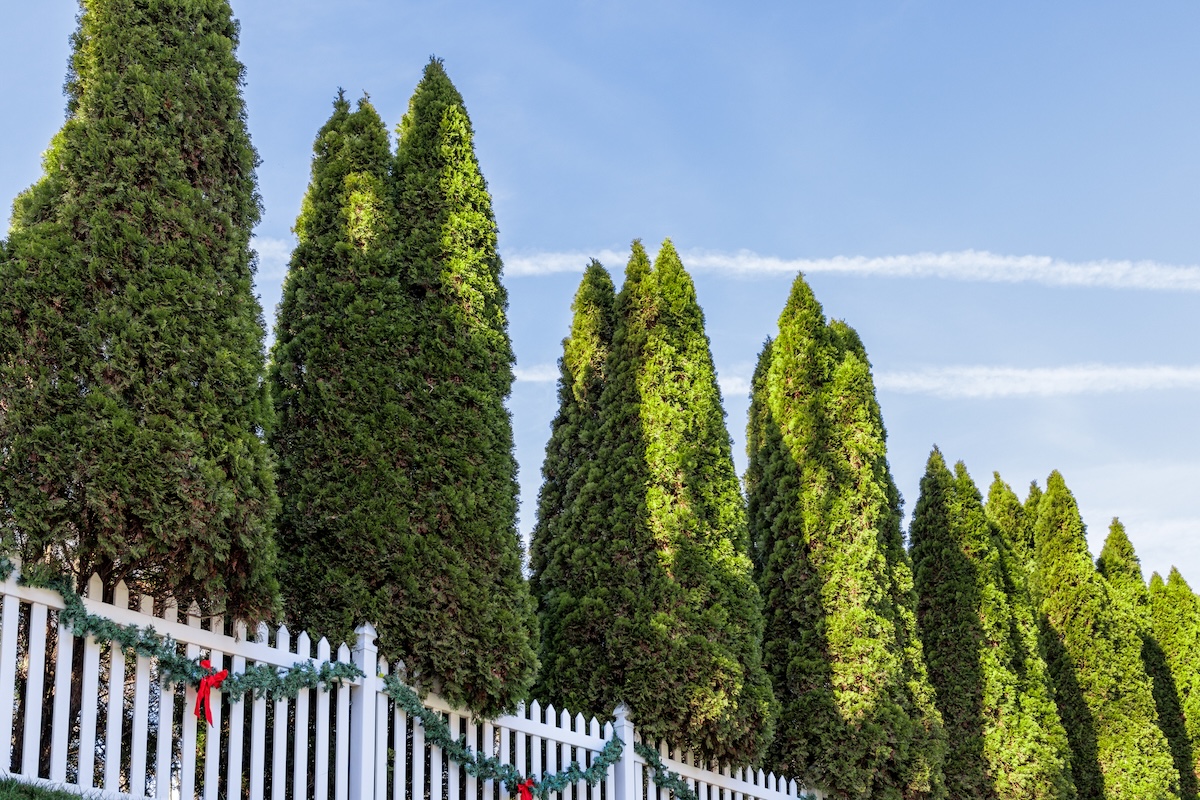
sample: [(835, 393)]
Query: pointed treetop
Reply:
[(639, 264), (1118, 562), (586, 349)]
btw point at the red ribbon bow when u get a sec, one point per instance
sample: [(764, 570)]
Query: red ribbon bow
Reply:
[(525, 787), (212, 680)]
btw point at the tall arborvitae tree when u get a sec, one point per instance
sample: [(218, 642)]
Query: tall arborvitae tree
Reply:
[(1012, 523), (858, 715), (1005, 738), (335, 374), (1119, 565), (460, 550), (130, 338), (1104, 696), (647, 597), (571, 454), (1175, 623)]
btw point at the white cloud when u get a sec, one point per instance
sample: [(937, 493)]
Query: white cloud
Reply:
[(273, 256), (733, 386), (538, 373), (965, 265), (986, 382)]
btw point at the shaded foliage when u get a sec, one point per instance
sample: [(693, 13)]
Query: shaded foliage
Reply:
[(130, 338), (1175, 624)]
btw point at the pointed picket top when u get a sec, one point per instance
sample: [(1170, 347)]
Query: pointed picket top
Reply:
[(262, 633), (283, 639), (194, 615), (535, 711), (565, 721), (95, 588), (121, 595), (381, 667), (303, 645), (343, 652), (146, 604), (170, 609)]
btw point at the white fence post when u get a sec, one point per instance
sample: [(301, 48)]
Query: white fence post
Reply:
[(362, 715), (628, 772)]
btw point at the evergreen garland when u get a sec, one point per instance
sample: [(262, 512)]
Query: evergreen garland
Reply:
[(491, 768), (258, 680)]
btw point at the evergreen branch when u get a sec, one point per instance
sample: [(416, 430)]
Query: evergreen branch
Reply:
[(488, 768), (663, 777), (258, 680)]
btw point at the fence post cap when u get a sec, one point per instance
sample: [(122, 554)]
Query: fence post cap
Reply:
[(621, 712)]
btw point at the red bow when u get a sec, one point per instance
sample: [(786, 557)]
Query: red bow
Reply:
[(212, 680), (525, 787)]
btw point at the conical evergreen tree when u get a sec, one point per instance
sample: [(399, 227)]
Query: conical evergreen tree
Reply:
[(335, 373), (1119, 565), (455, 372), (1005, 738), (130, 338), (1012, 523), (1104, 696), (654, 605), (1175, 623), (858, 716), (571, 461)]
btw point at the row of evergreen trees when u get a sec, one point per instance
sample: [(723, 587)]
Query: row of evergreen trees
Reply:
[(367, 472)]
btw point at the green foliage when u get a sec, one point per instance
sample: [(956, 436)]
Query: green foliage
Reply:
[(1104, 695), (573, 450), (858, 714), (491, 768), (130, 337), (1013, 525), (334, 373), (13, 789), (980, 642), (392, 369), (1120, 566), (642, 576), (1175, 624)]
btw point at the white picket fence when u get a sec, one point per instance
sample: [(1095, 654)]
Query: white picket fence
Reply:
[(94, 721)]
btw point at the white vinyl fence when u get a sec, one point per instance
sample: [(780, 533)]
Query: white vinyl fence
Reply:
[(87, 718)]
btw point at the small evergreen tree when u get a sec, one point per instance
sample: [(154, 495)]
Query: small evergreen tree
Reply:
[(1175, 623), (648, 598), (1104, 696), (858, 714), (130, 338), (980, 640), (335, 377), (571, 462), (461, 550)]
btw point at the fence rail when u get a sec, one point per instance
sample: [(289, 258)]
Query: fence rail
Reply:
[(86, 717)]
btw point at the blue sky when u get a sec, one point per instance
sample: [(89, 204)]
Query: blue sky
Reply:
[(1003, 199)]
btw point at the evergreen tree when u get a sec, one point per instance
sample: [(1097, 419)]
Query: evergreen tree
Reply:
[(458, 557), (646, 589), (571, 461), (130, 338), (1174, 612), (1120, 566), (335, 373), (980, 640), (1104, 696), (1012, 523), (858, 716)]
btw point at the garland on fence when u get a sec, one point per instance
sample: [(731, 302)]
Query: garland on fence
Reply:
[(488, 768), (258, 680), (663, 777)]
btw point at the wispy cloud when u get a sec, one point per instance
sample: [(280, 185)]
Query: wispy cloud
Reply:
[(273, 256), (538, 373), (733, 386), (986, 382), (964, 265)]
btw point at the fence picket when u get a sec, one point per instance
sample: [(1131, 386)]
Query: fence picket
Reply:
[(188, 745), (212, 735), (400, 764), (279, 730), (258, 735), (116, 703), (321, 756), (141, 713), (381, 734), (237, 724), (31, 742), (163, 774), (89, 706), (300, 729), (342, 773), (418, 761), (62, 705)]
